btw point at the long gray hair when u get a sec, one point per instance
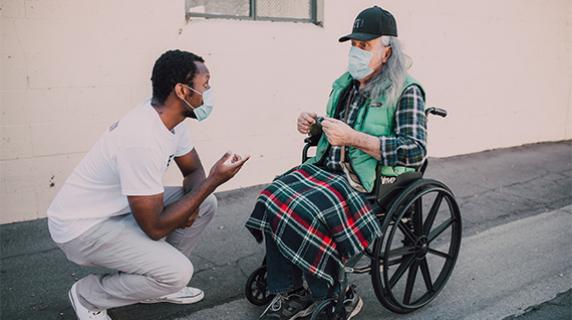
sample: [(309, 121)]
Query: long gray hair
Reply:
[(390, 80)]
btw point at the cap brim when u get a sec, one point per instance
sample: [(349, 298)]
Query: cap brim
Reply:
[(358, 36)]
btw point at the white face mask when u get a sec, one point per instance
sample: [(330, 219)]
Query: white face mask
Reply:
[(204, 110), (358, 63)]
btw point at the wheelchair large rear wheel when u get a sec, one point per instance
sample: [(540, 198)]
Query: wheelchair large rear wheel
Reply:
[(415, 257)]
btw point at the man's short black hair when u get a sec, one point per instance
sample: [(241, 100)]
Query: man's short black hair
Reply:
[(172, 67)]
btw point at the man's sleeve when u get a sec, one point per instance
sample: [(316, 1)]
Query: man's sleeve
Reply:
[(408, 146), (140, 171), (184, 144)]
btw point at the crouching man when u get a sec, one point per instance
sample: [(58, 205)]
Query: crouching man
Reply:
[(114, 212)]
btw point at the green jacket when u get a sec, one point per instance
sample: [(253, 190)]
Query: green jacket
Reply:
[(377, 118)]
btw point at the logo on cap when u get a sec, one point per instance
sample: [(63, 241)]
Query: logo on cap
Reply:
[(358, 23)]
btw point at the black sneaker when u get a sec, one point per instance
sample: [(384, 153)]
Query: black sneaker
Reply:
[(295, 305)]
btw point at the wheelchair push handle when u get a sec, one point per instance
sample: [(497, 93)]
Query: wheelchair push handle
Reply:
[(436, 111)]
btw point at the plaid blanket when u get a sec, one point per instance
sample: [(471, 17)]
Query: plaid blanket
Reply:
[(317, 220)]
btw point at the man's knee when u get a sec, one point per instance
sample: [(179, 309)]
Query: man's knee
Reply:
[(209, 206), (176, 274), (172, 194)]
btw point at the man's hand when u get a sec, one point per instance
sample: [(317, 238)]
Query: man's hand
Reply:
[(305, 121), (338, 132), (226, 167), (191, 220)]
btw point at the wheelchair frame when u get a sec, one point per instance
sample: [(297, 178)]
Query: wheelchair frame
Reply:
[(401, 204)]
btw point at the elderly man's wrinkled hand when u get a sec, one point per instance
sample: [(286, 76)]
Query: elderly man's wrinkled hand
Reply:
[(338, 132), (305, 121)]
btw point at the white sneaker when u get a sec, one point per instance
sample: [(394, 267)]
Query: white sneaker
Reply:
[(187, 295), (82, 312)]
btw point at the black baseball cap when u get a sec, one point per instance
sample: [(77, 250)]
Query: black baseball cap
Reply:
[(372, 23)]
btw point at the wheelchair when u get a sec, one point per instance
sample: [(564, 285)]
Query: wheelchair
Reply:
[(421, 234)]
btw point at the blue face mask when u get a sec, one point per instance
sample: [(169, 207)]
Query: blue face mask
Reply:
[(358, 64), (204, 110)]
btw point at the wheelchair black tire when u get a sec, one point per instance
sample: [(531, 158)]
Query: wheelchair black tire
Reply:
[(411, 257), (256, 288)]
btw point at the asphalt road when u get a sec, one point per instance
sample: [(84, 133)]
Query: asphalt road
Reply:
[(515, 254), (500, 272)]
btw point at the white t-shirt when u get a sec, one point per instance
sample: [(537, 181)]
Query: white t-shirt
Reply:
[(129, 159)]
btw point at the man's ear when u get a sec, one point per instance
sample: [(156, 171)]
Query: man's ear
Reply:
[(179, 91), (387, 55)]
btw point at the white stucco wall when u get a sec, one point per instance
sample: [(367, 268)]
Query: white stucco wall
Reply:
[(69, 68)]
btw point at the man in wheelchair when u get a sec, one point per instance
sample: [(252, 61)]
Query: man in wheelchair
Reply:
[(316, 217)]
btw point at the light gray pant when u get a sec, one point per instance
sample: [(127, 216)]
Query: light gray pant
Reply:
[(145, 268)]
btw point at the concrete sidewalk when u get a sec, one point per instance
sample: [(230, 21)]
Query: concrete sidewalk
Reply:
[(494, 188), (556, 309)]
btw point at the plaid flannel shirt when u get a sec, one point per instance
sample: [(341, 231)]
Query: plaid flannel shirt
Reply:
[(408, 147)]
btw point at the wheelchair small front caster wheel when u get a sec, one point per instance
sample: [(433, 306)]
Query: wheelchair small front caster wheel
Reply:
[(255, 289)]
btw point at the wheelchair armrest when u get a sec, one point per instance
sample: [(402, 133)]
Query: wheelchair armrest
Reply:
[(311, 141)]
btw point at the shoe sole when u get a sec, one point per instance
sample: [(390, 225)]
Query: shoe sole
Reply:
[(189, 300), (70, 297), (304, 313), (357, 309)]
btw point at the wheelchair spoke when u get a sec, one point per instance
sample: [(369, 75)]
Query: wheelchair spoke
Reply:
[(440, 254), (407, 232), (401, 252), (400, 271), (418, 217), (432, 213), (394, 262), (440, 229), (410, 282), (426, 275)]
